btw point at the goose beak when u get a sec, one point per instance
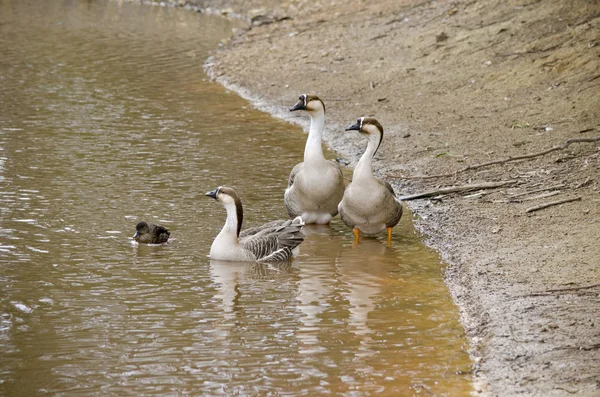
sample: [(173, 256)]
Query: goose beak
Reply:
[(212, 193), (298, 106), (354, 127), (136, 235)]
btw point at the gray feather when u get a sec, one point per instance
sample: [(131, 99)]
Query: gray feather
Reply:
[(274, 241)]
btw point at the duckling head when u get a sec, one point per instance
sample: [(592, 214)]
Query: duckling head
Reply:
[(310, 103), (140, 228)]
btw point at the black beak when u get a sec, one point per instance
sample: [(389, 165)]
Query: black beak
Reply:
[(354, 127), (298, 106), (136, 235), (212, 194)]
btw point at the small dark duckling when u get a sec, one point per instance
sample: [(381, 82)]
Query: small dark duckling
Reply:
[(151, 234)]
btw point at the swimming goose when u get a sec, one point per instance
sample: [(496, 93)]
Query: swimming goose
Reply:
[(150, 234), (369, 205), (275, 241), (315, 186)]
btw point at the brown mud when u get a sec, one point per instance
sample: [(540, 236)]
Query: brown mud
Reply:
[(456, 84)]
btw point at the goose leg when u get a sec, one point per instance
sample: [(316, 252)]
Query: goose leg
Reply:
[(356, 233), (389, 231)]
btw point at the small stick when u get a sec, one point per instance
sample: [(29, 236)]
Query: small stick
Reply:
[(584, 183), (573, 288), (530, 52), (477, 195), (538, 190), (552, 203), (540, 196), (545, 293), (565, 389), (454, 189), (562, 146)]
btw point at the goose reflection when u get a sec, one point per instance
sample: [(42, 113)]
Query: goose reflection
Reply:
[(228, 276), (364, 272), (316, 283)]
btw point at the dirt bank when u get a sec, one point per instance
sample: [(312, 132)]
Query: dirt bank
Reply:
[(455, 85)]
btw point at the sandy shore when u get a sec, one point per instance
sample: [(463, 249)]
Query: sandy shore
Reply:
[(456, 85)]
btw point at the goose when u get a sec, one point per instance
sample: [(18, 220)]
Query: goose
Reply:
[(315, 186), (275, 241), (150, 234), (369, 205)]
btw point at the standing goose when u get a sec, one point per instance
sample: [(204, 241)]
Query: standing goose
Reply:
[(275, 241), (315, 186), (369, 204), (150, 234)]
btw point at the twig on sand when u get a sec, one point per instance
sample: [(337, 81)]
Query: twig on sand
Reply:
[(556, 187), (567, 390), (455, 189), (562, 146), (584, 183), (569, 289), (531, 52), (552, 203), (540, 196), (574, 288)]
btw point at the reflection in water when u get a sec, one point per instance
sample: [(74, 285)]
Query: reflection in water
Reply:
[(315, 285), (227, 277), (107, 119), (363, 271)]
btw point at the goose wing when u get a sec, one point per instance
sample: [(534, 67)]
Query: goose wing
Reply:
[(260, 245), (341, 183), (267, 227), (297, 168), (388, 187), (280, 255), (396, 214), (287, 202), (345, 218), (336, 165), (395, 209), (275, 244)]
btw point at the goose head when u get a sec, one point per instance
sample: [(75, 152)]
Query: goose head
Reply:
[(141, 228), (370, 127), (232, 203), (310, 103)]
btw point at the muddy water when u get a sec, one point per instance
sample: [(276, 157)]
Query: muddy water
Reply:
[(107, 118)]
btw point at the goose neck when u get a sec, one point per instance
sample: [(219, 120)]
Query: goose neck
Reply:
[(232, 222), (314, 149), (364, 168)]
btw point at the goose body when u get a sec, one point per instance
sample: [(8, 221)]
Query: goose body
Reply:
[(369, 205), (315, 186), (275, 241), (150, 234)]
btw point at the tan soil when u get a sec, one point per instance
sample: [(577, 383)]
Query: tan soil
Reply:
[(458, 84)]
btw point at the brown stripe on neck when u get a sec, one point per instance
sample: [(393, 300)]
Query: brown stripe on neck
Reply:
[(380, 138), (239, 210)]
